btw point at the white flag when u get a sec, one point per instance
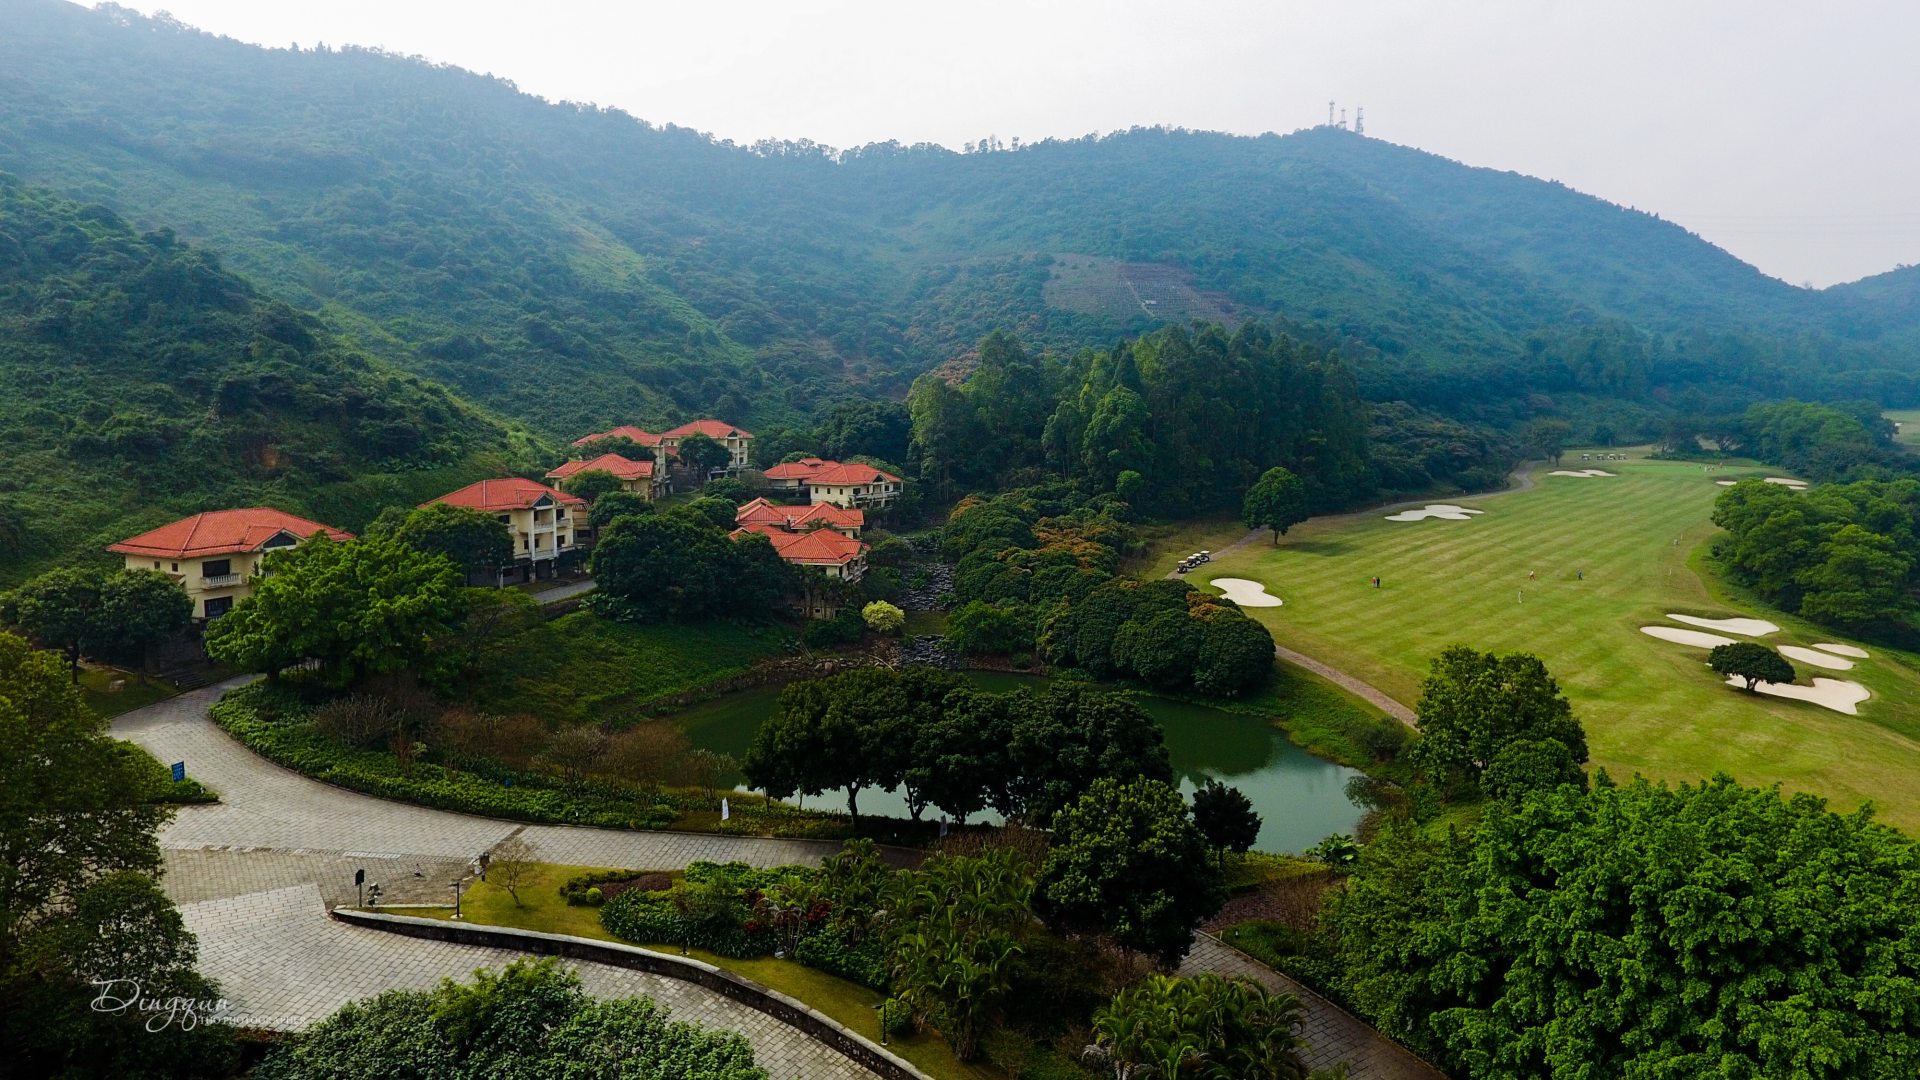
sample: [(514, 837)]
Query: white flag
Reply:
[(725, 810)]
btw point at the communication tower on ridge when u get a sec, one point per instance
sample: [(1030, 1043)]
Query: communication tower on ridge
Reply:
[(1343, 119), (1329, 114), (1360, 120)]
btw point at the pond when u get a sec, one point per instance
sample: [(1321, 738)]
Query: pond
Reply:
[(1301, 799)]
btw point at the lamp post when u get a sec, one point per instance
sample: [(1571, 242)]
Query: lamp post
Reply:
[(457, 882)]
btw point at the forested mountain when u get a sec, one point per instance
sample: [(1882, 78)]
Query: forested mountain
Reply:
[(140, 381), (574, 267)]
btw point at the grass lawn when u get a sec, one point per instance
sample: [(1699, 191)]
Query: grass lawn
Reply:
[(140, 690), (849, 1003), (1649, 706), (1166, 543), (926, 623), (580, 667), (1909, 421)]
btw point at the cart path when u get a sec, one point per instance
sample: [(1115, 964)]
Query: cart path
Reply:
[(1520, 480)]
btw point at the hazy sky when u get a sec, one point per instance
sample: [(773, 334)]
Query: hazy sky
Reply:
[(1786, 132)]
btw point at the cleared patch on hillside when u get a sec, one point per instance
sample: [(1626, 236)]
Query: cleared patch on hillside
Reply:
[(1091, 285)]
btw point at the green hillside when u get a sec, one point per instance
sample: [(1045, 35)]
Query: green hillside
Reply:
[(509, 246), (140, 381)]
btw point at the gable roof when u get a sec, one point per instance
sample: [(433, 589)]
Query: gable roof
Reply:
[(624, 468), (221, 532), (763, 512), (796, 470), (713, 429), (818, 547), (835, 473), (624, 431), (507, 493)]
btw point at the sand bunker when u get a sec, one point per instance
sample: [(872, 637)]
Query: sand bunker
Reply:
[(1841, 650), (1726, 483), (1785, 482), (1839, 695), (1253, 594), (1443, 511), (1743, 627), (1581, 472), (1818, 659), (1686, 637)]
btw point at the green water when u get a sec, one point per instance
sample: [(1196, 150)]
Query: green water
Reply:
[(1301, 799)]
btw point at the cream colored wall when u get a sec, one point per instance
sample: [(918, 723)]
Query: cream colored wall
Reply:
[(188, 573), (536, 539)]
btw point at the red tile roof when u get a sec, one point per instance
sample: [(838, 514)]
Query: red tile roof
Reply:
[(624, 431), (508, 493), (835, 473), (222, 532), (624, 468), (820, 547), (713, 429), (795, 518), (797, 470)]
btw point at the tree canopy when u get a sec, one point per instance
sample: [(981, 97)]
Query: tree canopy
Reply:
[(1640, 930), (1277, 501), (1475, 705), (1751, 662)]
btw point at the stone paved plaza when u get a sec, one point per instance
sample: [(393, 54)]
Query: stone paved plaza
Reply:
[(283, 964), (256, 873)]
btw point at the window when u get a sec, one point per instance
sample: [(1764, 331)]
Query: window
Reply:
[(216, 568), (176, 567), (156, 564), (217, 606)]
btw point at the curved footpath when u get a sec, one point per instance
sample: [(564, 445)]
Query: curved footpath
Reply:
[(1520, 480), (256, 873)]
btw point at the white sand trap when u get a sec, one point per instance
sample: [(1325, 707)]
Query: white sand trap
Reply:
[(1841, 650), (1815, 657), (1253, 594), (1785, 482), (1840, 695), (1686, 637), (1443, 511), (1743, 627), (1581, 472), (1726, 483)]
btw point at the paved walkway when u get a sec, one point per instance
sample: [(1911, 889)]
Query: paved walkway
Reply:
[(564, 592), (1520, 480), (283, 964), (255, 873), (1333, 1035)]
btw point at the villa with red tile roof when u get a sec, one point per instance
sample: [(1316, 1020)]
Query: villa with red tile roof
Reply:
[(836, 555), (801, 518), (545, 523), (846, 485), (625, 431), (665, 445), (215, 555), (644, 478)]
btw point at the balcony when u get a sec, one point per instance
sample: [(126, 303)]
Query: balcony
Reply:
[(221, 581)]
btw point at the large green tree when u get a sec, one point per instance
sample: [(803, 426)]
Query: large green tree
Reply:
[(1127, 861), (1225, 816), (1708, 930), (702, 454), (361, 607), (77, 898), (476, 541), (1472, 704), (115, 616), (680, 566), (1751, 662), (1069, 736), (1276, 502)]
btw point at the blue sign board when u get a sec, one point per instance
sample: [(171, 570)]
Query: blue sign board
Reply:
[(179, 771)]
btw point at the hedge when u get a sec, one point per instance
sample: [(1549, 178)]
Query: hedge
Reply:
[(271, 722), (865, 963)]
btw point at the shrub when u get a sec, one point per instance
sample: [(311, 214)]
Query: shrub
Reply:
[(594, 897), (362, 720), (865, 963), (896, 1018), (846, 628)]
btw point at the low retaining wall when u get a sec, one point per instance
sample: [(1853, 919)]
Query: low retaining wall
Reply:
[(794, 1014)]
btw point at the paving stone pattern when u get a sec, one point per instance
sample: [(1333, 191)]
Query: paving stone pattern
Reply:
[(1333, 1035), (255, 873), (283, 964)]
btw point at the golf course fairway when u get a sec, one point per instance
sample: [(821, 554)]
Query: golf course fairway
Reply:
[(1609, 555)]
